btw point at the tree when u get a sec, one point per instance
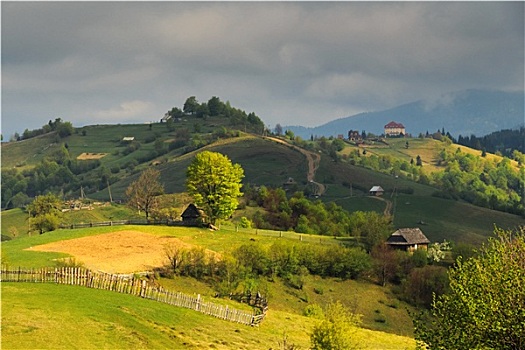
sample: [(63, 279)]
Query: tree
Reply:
[(191, 105), (336, 330), (142, 194), (485, 307), (44, 213), (64, 129), (215, 106), (419, 162), (215, 184), (278, 129)]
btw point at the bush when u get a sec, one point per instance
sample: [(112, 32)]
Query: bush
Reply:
[(313, 310), (245, 222), (336, 330)]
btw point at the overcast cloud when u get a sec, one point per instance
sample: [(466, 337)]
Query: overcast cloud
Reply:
[(291, 63)]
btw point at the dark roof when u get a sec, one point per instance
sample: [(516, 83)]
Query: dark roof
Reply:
[(191, 212), (394, 125), (407, 236)]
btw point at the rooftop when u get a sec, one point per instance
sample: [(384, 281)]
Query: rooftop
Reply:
[(406, 236)]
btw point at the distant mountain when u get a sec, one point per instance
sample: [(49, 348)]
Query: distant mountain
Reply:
[(466, 112)]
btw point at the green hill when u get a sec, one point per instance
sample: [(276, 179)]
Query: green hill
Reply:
[(264, 163), (31, 311)]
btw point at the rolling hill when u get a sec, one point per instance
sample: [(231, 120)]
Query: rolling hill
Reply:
[(265, 163)]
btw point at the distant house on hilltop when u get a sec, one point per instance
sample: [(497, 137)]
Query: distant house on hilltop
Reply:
[(394, 129), (354, 135), (408, 239)]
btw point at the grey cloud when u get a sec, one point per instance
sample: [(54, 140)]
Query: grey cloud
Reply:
[(290, 62)]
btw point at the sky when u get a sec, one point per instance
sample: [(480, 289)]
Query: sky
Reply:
[(292, 63)]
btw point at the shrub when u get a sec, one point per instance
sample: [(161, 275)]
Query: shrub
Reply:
[(336, 330), (245, 222), (313, 310)]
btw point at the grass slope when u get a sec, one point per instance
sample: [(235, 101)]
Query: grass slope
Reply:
[(47, 316), (361, 296), (263, 161)]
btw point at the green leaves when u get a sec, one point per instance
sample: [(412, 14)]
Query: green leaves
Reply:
[(215, 184), (44, 212), (485, 307)]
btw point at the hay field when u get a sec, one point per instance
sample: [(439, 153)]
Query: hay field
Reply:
[(116, 252), (91, 156)]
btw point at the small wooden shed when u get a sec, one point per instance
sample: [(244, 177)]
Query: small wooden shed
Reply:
[(376, 191), (192, 216), (408, 239)]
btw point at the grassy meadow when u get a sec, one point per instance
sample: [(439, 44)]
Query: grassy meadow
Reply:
[(38, 316), (386, 323)]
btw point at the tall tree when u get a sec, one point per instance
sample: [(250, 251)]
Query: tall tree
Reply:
[(278, 129), (485, 308), (142, 194), (215, 184), (191, 105), (215, 106), (44, 213)]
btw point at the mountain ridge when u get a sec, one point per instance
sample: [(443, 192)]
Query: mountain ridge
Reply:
[(465, 112)]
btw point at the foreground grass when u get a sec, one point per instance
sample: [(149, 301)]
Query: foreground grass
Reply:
[(363, 297), (48, 316)]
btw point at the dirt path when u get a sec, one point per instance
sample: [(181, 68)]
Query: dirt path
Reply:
[(314, 160), (388, 208)]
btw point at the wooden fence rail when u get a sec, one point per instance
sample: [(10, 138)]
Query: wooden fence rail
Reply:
[(136, 286)]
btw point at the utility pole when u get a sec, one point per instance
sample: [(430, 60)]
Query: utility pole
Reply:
[(109, 190)]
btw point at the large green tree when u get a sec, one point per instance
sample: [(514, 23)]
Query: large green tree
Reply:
[(44, 213), (143, 193), (215, 184), (485, 307)]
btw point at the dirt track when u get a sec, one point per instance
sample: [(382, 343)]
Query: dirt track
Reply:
[(313, 159), (116, 252)]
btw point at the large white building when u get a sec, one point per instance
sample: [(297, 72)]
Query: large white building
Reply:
[(394, 129)]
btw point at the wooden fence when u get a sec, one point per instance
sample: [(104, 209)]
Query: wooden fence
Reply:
[(122, 222), (136, 286), (271, 233)]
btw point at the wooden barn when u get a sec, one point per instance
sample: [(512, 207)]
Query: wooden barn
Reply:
[(408, 239), (192, 216), (376, 191)]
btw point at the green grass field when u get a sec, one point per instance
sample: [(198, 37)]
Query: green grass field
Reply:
[(451, 220), (48, 316), (286, 303)]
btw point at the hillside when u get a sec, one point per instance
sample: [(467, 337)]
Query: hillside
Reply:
[(287, 303), (265, 163), (464, 113)]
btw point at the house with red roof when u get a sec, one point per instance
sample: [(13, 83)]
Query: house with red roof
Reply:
[(394, 129)]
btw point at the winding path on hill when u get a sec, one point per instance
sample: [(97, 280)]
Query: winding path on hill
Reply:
[(389, 205), (314, 160)]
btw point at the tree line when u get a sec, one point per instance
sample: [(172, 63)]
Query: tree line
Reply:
[(494, 184), (504, 142), (214, 107), (63, 129)]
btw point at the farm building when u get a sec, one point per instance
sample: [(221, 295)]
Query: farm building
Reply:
[(408, 239), (394, 129), (192, 216), (354, 135), (376, 191)]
